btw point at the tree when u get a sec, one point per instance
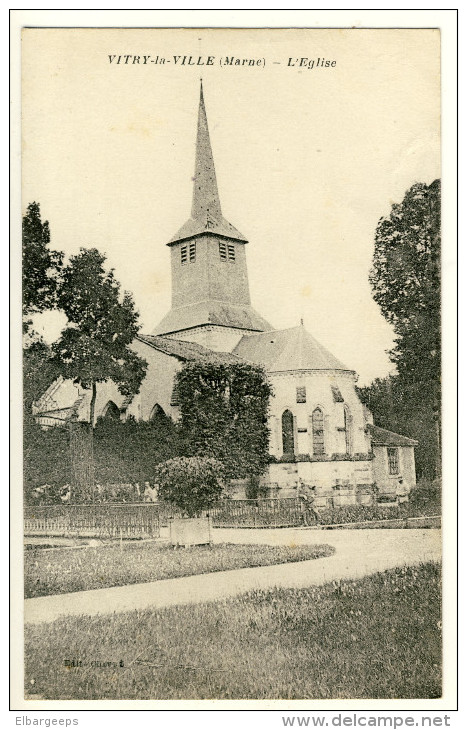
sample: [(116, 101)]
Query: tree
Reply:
[(39, 371), (223, 414), (406, 283), (41, 266), (403, 409), (94, 347)]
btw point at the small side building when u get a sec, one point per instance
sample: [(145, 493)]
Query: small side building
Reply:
[(393, 459)]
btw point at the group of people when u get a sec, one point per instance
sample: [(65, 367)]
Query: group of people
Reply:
[(102, 493), (127, 492)]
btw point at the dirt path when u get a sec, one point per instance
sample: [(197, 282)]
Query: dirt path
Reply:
[(358, 553)]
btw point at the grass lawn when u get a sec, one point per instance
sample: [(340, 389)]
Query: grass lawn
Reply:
[(379, 637), (47, 572)]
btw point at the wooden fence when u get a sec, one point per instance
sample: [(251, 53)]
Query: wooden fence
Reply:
[(93, 520)]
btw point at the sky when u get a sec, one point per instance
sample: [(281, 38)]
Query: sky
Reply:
[(308, 158)]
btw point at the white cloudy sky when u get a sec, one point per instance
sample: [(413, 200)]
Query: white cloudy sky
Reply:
[(307, 161)]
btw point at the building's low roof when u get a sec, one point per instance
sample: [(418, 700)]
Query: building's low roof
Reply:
[(185, 351), (286, 350), (211, 312), (382, 437), (207, 223)]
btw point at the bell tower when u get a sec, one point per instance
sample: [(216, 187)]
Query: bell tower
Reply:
[(210, 292)]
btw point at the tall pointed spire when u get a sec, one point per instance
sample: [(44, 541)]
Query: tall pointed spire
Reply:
[(205, 193), (210, 294), (206, 213)]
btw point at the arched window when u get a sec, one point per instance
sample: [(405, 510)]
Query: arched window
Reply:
[(156, 412), (347, 430), (317, 419), (111, 411), (288, 442)]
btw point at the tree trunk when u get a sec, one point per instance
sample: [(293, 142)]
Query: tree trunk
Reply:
[(92, 405)]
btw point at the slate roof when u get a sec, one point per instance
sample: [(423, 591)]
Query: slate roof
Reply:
[(211, 312), (206, 213), (185, 351), (206, 223), (285, 350), (382, 437)]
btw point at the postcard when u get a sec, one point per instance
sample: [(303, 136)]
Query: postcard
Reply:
[(232, 403)]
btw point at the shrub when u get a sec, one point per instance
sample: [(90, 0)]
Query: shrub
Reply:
[(426, 497), (46, 459), (191, 484)]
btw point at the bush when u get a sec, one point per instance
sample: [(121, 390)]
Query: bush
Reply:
[(191, 484), (356, 513), (127, 451), (46, 461), (426, 495)]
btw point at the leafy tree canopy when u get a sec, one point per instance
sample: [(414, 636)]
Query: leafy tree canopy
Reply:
[(39, 371), (405, 409), (41, 265), (223, 409), (94, 347), (406, 283), (405, 279)]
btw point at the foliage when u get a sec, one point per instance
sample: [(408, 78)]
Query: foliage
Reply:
[(404, 409), (128, 451), (124, 453), (373, 513), (191, 484), (294, 458), (254, 489), (67, 571), (426, 497), (39, 372), (377, 637), (46, 460), (94, 347), (406, 283), (223, 408), (41, 266)]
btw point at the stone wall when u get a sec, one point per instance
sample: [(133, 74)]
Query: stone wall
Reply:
[(320, 474), (387, 483), (318, 393)]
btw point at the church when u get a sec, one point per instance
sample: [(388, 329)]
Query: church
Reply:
[(321, 434)]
